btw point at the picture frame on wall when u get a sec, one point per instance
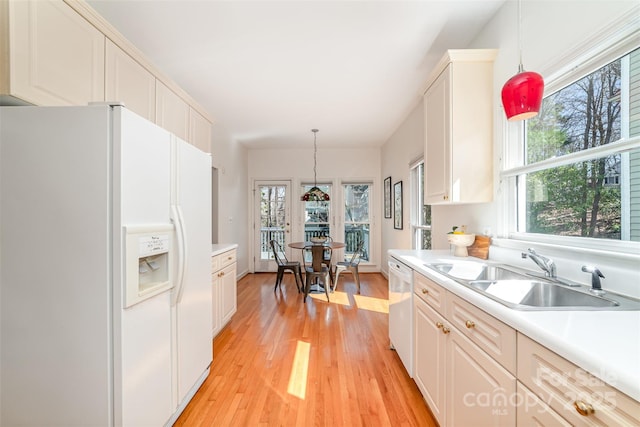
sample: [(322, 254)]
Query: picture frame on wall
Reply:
[(397, 205), (387, 197)]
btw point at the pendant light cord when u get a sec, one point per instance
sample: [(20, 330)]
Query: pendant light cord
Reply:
[(315, 150), (520, 67)]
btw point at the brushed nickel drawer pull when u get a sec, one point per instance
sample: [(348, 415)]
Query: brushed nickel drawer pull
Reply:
[(583, 408)]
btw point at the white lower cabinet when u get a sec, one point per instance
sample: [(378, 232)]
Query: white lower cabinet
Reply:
[(429, 369), (577, 396), (474, 370), (223, 283), (460, 382)]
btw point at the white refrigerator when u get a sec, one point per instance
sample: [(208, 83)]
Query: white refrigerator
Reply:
[(105, 282)]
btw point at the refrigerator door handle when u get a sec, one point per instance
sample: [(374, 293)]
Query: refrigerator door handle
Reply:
[(177, 218)]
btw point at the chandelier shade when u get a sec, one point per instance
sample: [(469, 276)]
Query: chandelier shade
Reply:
[(315, 194), (522, 95)]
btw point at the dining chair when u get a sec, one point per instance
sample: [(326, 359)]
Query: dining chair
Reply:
[(326, 258), (351, 266), (315, 271), (284, 264)]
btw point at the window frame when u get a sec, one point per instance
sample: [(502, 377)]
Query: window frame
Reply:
[(416, 188), (365, 259), (616, 41)]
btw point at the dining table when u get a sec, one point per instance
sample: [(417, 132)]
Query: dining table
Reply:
[(328, 244)]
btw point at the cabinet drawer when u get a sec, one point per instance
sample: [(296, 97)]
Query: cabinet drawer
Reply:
[(227, 258), (220, 261), (532, 411), (430, 292), (493, 336), (215, 263), (564, 386)]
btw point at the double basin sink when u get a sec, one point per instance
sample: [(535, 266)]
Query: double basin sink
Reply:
[(522, 290)]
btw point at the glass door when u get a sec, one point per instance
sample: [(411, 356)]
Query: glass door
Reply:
[(271, 222)]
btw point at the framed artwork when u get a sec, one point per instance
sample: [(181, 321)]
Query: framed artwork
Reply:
[(387, 197), (397, 205)]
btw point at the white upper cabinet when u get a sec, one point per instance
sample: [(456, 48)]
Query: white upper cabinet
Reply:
[(129, 82), (55, 56), (458, 108), (59, 52), (199, 131), (172, 112)]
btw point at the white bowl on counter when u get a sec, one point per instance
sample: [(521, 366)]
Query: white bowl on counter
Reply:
[(461, 242)]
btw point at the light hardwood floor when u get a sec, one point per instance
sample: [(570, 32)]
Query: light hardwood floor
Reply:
[(282, 362)]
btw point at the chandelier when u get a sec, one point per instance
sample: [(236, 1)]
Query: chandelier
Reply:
[(315, 194)]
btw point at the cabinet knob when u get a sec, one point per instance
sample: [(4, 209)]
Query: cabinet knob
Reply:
[(439, 325), (469, 324), (425, 291), (230, 258), (585, 409), (446, 330)]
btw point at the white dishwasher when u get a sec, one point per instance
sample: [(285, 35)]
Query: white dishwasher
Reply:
[(401, 312)]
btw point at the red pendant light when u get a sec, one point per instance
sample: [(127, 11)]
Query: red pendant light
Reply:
[(522, 93)]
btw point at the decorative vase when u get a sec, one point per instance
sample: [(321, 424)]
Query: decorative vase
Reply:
[(461, 242)]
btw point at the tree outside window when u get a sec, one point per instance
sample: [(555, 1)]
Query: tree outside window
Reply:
[(597, 192)]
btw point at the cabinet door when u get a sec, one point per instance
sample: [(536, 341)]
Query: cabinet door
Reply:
[(479, 391), (56, 56), (199, 131), (128, 82), (216, 317), (429, 362), (172, 112), (437, 110), (229, 293)]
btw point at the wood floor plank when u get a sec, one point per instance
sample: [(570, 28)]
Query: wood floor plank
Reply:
[(336, 354)]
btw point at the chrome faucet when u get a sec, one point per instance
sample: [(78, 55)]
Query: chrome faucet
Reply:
[(596, 286), (546, 264)]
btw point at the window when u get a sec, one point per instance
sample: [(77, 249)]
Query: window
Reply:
[(420, 215), (356, 219), (317, 215), (580, 173)]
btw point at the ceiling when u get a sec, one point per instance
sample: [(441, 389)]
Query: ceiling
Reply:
[(270, 71)]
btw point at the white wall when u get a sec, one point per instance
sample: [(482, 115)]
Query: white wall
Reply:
[(230, 158), (334, 166), (403, 147)]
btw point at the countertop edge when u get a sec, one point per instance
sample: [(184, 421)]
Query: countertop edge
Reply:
[(218, 248), (614, 366)]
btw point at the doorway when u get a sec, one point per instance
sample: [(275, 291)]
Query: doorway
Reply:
[(272, 221)]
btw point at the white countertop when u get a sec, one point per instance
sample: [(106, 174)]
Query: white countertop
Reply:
[(603, 343), (218, 248)]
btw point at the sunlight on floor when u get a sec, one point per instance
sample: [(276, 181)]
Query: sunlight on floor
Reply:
[(335, 297), (298, 377), (372, 304)]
